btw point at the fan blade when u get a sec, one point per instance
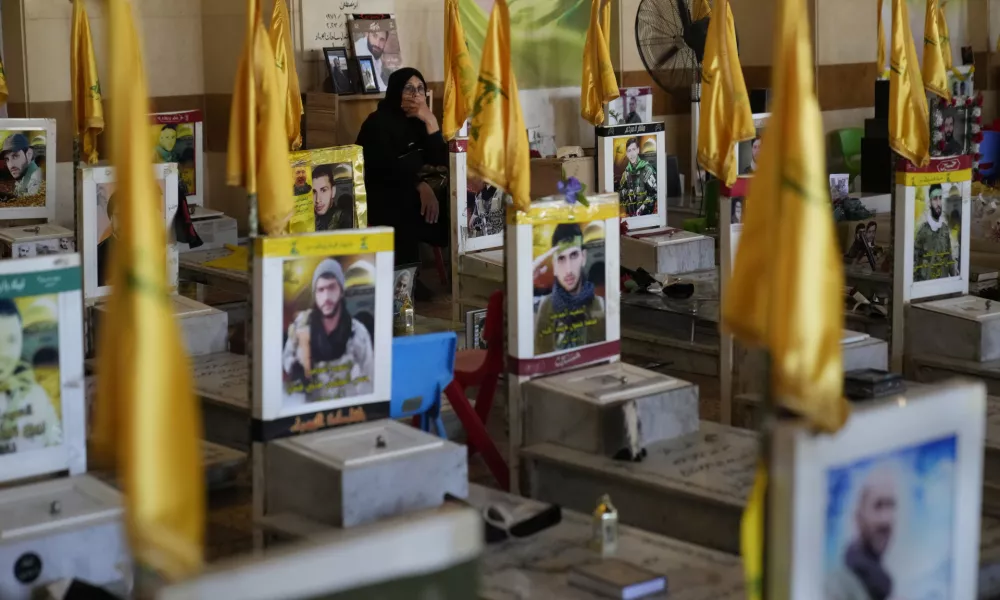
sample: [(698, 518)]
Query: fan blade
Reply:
[(684, 13), (666, 56)]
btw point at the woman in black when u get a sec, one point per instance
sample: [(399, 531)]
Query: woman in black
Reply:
[(401, 140)]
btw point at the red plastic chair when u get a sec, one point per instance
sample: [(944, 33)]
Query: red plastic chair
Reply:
[(481, 368), (439, 265)]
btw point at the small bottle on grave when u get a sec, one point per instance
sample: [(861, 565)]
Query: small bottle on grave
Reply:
[(404, 320), (605, 527)]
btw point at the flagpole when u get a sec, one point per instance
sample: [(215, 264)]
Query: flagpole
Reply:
[(766, 456)]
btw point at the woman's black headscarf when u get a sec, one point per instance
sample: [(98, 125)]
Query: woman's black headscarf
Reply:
[(393, 101)]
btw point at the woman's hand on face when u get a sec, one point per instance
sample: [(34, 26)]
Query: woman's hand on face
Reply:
[(417, 107), (429, 208)]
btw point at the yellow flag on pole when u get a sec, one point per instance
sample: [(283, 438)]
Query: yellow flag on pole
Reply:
[(726, 117), (599, 84), (701, 10), (3, 84), (909, 121), (288, 76), (945, 36), (880, 60), (88, 113), (498, 141), (788, 279), (258, 141), (935, 73), (459, 74), (147, 419)]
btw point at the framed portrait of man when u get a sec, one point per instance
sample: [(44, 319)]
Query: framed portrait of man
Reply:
[(747, 152), (888, 507), (632, 162), (338, 67), (42, 420), (564, 272), (177, 138), (27, 175), (329, 189), (325, 339), (98, 225), (377, 41)]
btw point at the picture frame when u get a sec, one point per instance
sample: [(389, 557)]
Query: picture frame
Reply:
[(366, 75), (49, 314), (383, 33), (292, 383), (477, 207), (628, 156), (339, 69), (187, 149), (543, 337), (746, 152), (329, 189), (35, 147), (475, 322), (927, 444), (96, 186), (633, 105)]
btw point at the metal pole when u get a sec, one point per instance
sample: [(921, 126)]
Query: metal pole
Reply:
[(766, 455)]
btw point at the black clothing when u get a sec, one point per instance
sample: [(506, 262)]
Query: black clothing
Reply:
[(104, 261), (396, 148), (865, 564)]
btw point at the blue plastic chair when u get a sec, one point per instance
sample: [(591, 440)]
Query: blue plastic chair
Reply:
[(422, 366)]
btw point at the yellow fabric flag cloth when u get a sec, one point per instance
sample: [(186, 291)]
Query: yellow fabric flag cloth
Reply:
[(701, 10), (498, 141), (752, 535), (935, 72), (599, 85), (237, 260), (257, 155), (880, 60), (288, 76), (788, 280), (726, 117), (147, 419), (88, 113), (3, 85), (945, 36), (459, 74), (909, 121)]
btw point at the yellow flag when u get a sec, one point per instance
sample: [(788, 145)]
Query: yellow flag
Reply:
[(459, 74), (498, 142), (3, 85), (258, 142), (701, 10), (788, 278), (909, 121), (599, 84), (880, 61), (945, 38), (725, 107), (88, 113), (147, 420), (752, 535), (935, 72), (288, 77)]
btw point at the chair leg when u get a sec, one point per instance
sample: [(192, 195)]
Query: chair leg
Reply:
[(485, 395), (477, 436), (439, 265)]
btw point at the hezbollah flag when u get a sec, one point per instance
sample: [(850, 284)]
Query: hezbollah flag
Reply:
[(88, 114), (599, 84), (945, 37), (288, 77), (258, 141), (725, 107), (909, 121), (498, 142), (935, 72), (147, 418), (788, 278), (459, 76)]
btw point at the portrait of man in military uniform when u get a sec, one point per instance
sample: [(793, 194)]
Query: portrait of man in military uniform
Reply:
[(21, 161), (572, 314), (636, 184), (333, 196), (328, 352), (933, 257)]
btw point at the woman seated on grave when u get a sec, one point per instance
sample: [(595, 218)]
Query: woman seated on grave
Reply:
[(406, 167)]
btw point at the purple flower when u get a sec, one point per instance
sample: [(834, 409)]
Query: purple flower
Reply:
[(571, 188)]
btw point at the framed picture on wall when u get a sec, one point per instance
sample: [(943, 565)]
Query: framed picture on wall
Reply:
[(339, 69), (366, 75)]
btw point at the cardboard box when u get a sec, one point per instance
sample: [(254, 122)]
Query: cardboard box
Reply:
[(547, 172)]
